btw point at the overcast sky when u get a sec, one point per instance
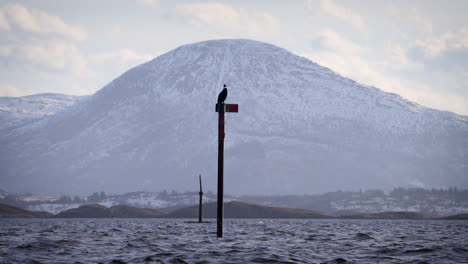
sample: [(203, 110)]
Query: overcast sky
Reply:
[(418, 49)]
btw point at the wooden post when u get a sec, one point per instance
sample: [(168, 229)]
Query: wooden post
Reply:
[(200, 210), (220, 207), (221, 108)]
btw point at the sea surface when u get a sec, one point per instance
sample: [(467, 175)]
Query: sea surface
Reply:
[(244, 241)]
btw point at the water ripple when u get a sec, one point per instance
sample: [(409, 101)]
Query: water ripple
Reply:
[(245, 241)]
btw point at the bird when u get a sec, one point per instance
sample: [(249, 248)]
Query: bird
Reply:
[(222, 95)]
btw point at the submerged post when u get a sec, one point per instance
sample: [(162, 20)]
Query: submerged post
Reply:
[(200, 210), (221, 108)]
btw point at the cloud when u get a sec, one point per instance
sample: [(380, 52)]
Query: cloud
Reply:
[(408, 18), (396, 58), (370, 73), (330, 40), (4, 25), (10, 90), (39, 22), (147, 2), (116, 30), (343, 56), (43, 55), (227, 19), (46, 50), (344, 14), (5, 51), (40, 46), (111, 64), (80, 90), (354, 61), (124, 56), (35, 40), (55, 55), (436, 46)]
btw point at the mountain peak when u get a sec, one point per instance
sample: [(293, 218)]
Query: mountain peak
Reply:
[(232, 44), (301, 129)]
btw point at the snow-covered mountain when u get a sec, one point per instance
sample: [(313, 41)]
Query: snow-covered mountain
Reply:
[(17, 111), (301, 128)]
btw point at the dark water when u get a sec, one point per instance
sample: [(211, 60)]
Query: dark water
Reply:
[(245, 241)]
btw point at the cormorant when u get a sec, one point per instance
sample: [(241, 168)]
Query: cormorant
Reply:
[(222, 95)]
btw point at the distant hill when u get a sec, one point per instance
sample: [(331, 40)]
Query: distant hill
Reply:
[(8, 211), (99, 211), (18, 111), (245, 210), (388, 215), (231, 210), (455, 217)]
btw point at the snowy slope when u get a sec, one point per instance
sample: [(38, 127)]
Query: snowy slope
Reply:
[(17, 111), (301, 128), (167, 202)]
